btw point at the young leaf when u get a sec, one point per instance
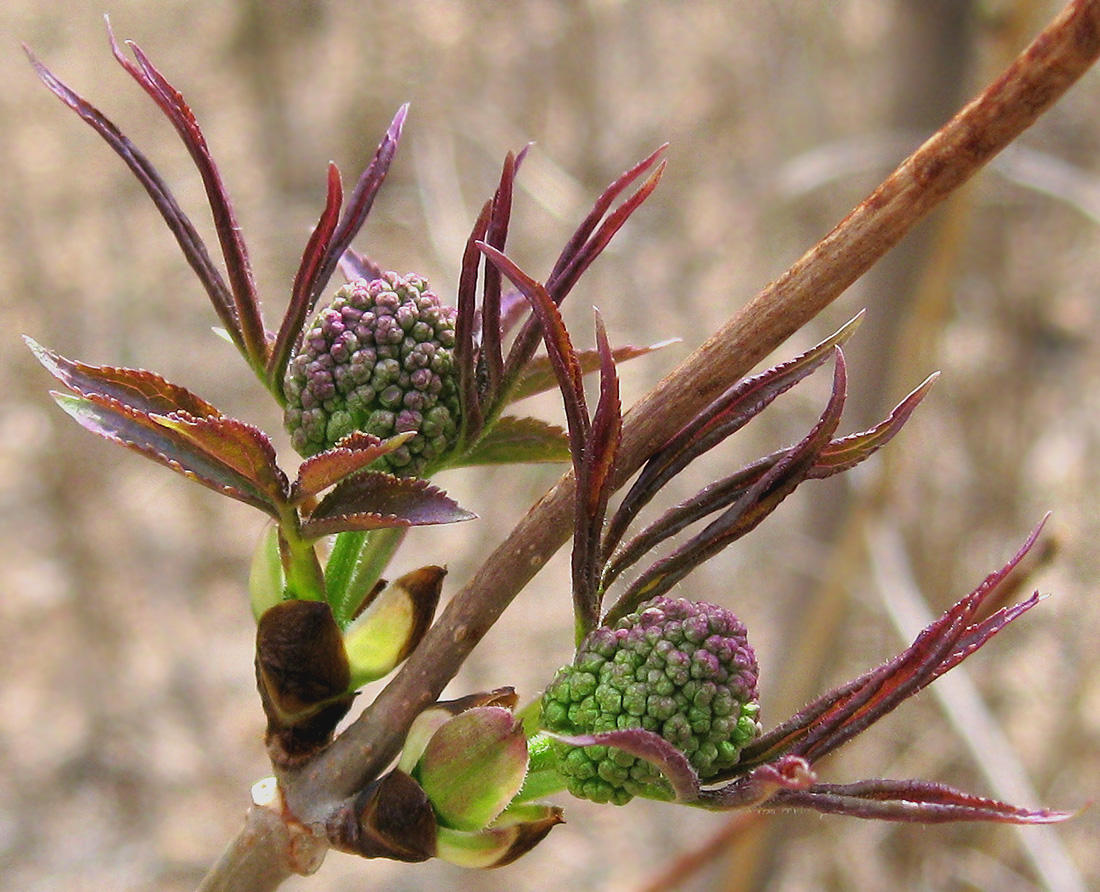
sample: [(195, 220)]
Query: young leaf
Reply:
[(582, 249), (150, 436), (238, 446), (839, 715), (513, 440), (188, 238), (559, 348), (840, 455), (909, 801), (305, 281), (538, 376), (246, 304), (354, 453), (374, 500), (725, 416), (757, 503), (138, 389), (673, 764), (358, 266)]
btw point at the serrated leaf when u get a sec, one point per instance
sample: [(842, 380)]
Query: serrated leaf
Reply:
[(746, 513), (240, 447), (373, 500), (140, 390), (910, 801), (841, 714), (714, 423), (559, 348), (538, 375), (515, 440), (148, 436), (351, 455)]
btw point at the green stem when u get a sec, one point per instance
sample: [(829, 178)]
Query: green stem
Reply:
[(542, 778), (304, 579), (341, 564), (361, 560)]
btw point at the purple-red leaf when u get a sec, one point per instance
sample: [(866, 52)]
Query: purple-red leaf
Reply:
[(171, 425), (652, 747), (512, 440), (305, 281), (358, 266), (909, 800), (188, 238), (559, 348), (578, 254), (351, 455), (359, 204), (725, 416), (581, 250), (239, 447), (150, 436), (841, 714), (758, 501), (374, 500), (140, 390), (601, 448), (171, 102), (840, 455), (847, 452), (492, 358), (758, 786), (538, 376), (465, 352)]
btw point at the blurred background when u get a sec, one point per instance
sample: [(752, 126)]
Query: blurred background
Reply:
[(130, 730)]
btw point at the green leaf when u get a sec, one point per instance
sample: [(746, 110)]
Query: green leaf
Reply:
[(515, 440)]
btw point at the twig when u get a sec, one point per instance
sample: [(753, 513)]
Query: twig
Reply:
[(1031, 84)]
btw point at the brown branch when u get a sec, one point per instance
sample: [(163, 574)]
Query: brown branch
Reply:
[(1034, 82)]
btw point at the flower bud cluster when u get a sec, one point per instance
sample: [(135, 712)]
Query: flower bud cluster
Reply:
[(681, 669), (379, 358)]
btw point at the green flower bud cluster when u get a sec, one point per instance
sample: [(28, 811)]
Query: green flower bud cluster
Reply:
[(380, 359), (681, 669)]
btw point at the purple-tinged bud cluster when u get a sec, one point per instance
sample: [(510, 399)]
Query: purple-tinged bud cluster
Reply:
[(679, 668), (379, 359)]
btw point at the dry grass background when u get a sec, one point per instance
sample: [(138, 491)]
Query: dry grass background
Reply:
[(129, 726)]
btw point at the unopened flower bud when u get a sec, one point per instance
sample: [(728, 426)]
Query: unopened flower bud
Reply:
[(681, 669), (379, 359)]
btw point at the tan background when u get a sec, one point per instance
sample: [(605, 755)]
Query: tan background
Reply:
[(129, 726)]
